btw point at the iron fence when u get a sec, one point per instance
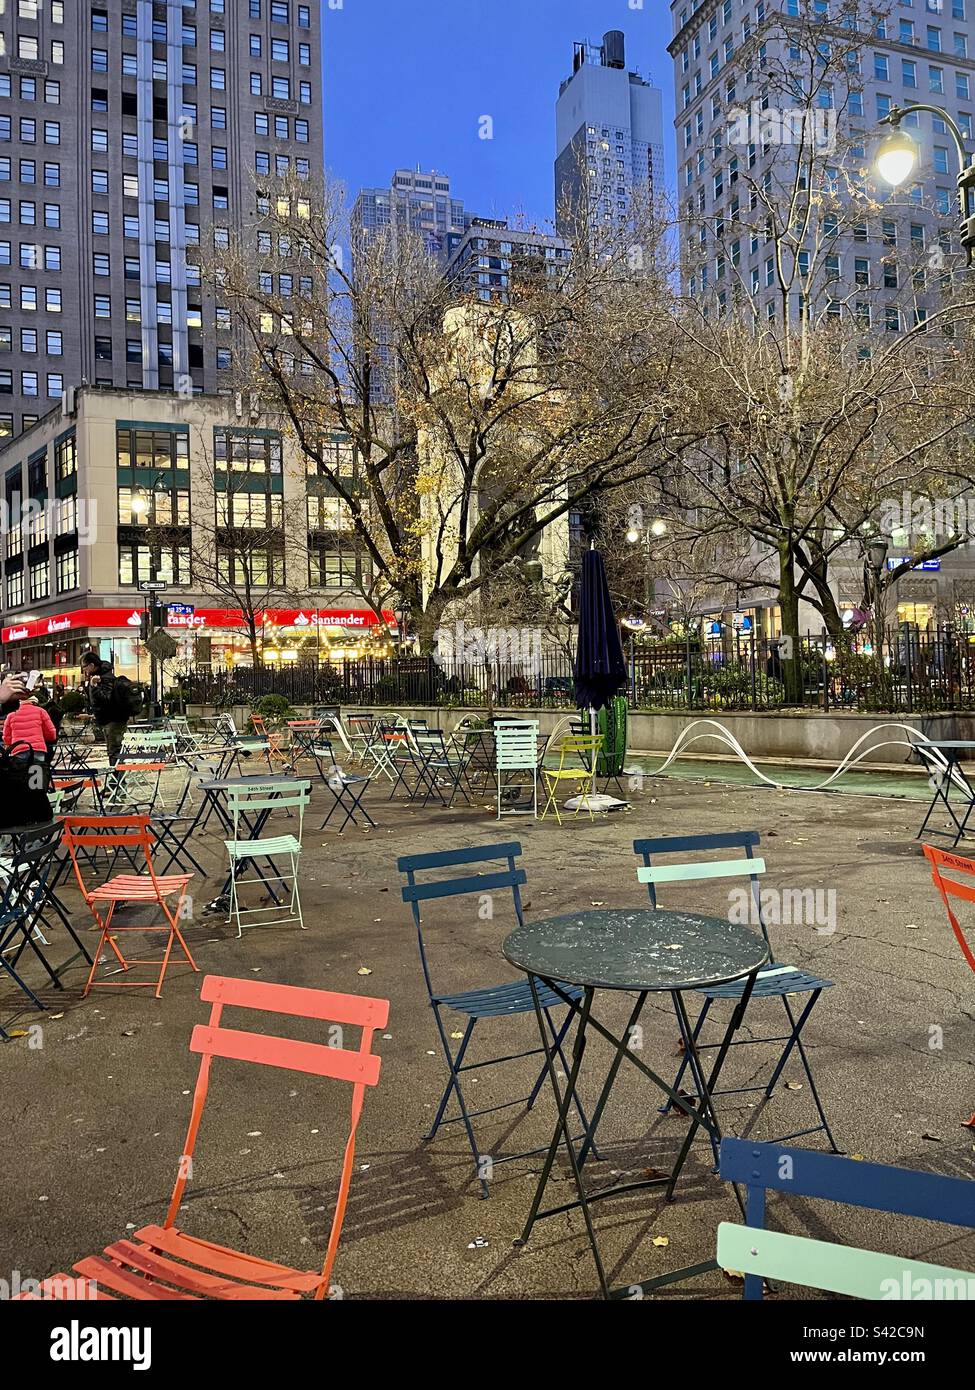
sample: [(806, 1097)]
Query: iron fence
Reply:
[(921, 671)]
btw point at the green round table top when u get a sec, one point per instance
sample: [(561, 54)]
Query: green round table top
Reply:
[(636, 948)]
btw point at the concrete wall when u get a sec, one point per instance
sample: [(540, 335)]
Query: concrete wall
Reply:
[(826, 737)]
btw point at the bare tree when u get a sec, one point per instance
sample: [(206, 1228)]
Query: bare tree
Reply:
[(474, 425), (243, 524), (822, 397)]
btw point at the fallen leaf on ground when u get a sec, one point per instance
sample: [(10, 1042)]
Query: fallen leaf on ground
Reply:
[(661, 1240), (456, 1035), (793, 1085), (363, 970)]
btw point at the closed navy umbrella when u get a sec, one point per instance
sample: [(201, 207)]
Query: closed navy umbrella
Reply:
[(600, 668)]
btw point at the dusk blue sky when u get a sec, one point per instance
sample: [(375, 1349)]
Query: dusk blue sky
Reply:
[(406, 82)]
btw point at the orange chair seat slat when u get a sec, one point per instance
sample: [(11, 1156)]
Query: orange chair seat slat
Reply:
[(145, 1260), (139, 887), (223, 1260), (316, 1059), (113, 1276)]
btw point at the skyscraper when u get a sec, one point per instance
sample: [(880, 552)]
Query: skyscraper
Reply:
[(906, 53), (609, 138), (734, 137), (130, 136), (417, 201)]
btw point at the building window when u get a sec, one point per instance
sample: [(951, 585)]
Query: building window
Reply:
[(65, 459), (66, 571), (40, 581)]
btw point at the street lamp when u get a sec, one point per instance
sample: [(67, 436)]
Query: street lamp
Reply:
[(898, 156)]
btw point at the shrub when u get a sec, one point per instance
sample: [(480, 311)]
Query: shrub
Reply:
[(277, 708), (72, 701)]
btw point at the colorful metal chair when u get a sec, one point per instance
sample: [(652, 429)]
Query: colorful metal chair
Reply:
[(249, 808), (162, 1262), (87, 835), (941, 860), (516, 750), (505, 1000), (775, 981), (758, 1254), (577, 763)]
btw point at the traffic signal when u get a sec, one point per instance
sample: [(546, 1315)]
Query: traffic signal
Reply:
[(144, 628)]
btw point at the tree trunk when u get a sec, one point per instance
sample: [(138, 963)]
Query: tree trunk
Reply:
[(789, 606), (252, 640)]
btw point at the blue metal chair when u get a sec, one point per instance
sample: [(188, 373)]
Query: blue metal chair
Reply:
[(756, 1252), (503, 1000), (775, 981)]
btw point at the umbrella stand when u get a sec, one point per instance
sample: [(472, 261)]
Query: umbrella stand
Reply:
[(600, 668)]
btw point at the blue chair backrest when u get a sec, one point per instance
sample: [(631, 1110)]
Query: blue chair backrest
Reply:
[(693, 845), (497, 878), (808, 1173)]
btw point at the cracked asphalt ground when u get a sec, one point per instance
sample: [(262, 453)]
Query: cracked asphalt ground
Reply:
[(96, 1104)]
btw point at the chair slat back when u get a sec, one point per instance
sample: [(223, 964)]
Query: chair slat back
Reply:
[(807, 1173), (516, 744), (359, 1066), (843, 1269), (242, 799), (689, 873), (511, 877), (940, 861), (695, 870), (875, 1186)]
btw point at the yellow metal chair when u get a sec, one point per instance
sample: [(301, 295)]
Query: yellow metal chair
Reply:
[(577, 763)]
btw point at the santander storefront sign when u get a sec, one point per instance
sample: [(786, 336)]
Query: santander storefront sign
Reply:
[(102, 619)]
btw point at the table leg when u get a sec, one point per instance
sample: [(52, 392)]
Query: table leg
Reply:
[(698, 1118), (589, 1140), (563, 1103)]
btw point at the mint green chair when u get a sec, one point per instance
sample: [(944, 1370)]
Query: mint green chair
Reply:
[(249, 808), (846, 1269)]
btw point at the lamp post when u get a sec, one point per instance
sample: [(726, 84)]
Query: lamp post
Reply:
[(875, 589), (142, 498), (898, 156)]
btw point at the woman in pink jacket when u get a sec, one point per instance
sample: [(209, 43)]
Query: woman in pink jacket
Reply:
[(31, 725)]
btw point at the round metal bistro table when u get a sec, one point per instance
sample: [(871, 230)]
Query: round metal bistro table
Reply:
[(640, 951)]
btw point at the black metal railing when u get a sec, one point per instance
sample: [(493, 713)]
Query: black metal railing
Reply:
[(921, 671)]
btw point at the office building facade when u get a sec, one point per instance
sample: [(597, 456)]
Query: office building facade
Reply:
[(609, 139), (490, 256), (418, 201), (131, 135), (100, 497), (878, 265)]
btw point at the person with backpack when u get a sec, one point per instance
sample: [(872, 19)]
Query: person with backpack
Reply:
[(21, 802), (30, 736), (113, 700)]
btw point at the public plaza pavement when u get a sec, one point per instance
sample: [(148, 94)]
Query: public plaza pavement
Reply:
[(96, 1104)]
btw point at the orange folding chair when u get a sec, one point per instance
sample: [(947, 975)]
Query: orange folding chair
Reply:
[(275, 750), (88, 834), (161, 1262), (949, 888)]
